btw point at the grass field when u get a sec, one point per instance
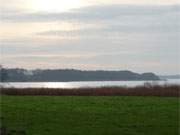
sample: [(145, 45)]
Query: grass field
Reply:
[(90, 115)]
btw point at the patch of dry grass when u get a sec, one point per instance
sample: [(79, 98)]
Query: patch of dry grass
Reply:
[(146, 90)]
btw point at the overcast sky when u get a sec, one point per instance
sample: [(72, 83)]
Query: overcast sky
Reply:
[(137, 35)]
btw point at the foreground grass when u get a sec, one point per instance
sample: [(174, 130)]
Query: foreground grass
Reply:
[(90, 115)]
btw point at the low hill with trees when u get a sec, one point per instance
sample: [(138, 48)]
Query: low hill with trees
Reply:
[(55, 75)]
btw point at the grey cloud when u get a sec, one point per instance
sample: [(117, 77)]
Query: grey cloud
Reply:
[(125, 19), (109, 30), (92, 13)]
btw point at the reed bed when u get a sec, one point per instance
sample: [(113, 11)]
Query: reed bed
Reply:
[(145, 90)]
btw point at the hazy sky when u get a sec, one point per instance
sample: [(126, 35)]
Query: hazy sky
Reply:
[(137, 35)]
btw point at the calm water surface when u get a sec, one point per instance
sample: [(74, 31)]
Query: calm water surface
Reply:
[(84, 84)]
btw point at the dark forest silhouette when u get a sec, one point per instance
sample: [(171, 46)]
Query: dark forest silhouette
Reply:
[(54, 75)]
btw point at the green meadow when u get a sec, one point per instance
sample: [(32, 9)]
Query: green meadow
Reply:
[(89, 115)]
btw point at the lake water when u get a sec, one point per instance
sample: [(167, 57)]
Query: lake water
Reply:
[(84, 84)]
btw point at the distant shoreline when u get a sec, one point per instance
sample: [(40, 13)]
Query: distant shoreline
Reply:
[(68, 75), (82, 81)]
